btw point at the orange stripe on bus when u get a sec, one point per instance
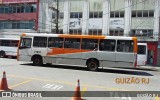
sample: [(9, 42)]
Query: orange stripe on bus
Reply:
[(82, 36), (135, 44), (56, 51)]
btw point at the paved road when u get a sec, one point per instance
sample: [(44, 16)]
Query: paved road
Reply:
[(22, 76)]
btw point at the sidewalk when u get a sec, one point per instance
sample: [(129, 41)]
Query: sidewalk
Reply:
[(156, 68)]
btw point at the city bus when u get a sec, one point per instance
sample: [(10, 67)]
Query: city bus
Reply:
[(8, 47), (142, 54), (80, 50)]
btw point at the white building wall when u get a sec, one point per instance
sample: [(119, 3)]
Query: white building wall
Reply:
[(106, 17), (48, 17), (143, 4), (126, 23), (76, 6), (117, 5), (156, 19), (66, 16), (95, 5), (85, 17), (142, 23), (127, 17)]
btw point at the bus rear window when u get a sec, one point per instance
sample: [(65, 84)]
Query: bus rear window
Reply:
[(141, 49)]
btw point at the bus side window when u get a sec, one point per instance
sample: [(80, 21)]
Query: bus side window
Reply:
[(5, 42), (40, 42), (141, 49), (72, 43), (89, 44), (107, 45), (124, 46), (55, 42)]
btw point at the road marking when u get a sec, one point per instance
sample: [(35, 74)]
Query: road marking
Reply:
[(157, 98), (24, 82), (69, 83), (83, 91), (52, 86)]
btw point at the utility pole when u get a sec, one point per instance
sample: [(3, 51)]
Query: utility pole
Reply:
[(57, 16)]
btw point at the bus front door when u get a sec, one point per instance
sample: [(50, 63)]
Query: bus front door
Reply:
[(24, 53)]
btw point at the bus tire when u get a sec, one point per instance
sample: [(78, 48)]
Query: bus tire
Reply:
[(37, 61), (92, 65), (2, 54), (48, 64)]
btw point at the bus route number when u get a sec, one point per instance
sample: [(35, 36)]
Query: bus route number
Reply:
[(37, 51)]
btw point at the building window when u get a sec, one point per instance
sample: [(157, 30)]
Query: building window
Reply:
[(75, 14), (142, 32), (116, 14), (17, 24), (54, 31), (60, 31), (75, 31), (143, 13), (151, 13), (61, 15), (139, 14), (18, 8), (95, 14), (116, 33), (95, 32)]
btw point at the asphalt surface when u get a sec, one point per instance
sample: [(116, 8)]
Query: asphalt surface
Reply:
[(22, 76)]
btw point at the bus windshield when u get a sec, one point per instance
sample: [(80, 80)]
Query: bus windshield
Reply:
[(26, 43), (141, 49)]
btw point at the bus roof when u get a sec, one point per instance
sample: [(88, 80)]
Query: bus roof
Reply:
[(9, 39), (141, 43), (78, 36)]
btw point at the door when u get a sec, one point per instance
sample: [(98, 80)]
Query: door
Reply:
[(25, 49), (40, 47), (106, 53), (125, 56)]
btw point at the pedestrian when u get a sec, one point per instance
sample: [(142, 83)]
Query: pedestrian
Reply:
[(151, 60)]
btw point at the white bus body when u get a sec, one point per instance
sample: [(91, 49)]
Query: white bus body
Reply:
[(93, 51), (142, 54), (8, 47)]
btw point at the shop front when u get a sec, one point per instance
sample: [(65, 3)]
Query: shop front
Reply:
[(152, 53)]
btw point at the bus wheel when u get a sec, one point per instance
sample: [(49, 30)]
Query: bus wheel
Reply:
[(2, 54), (92, 65), (37, 61), (48, 64)]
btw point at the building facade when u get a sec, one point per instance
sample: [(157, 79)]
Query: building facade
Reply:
[(17, 16), (105, 17), (158, 56)]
